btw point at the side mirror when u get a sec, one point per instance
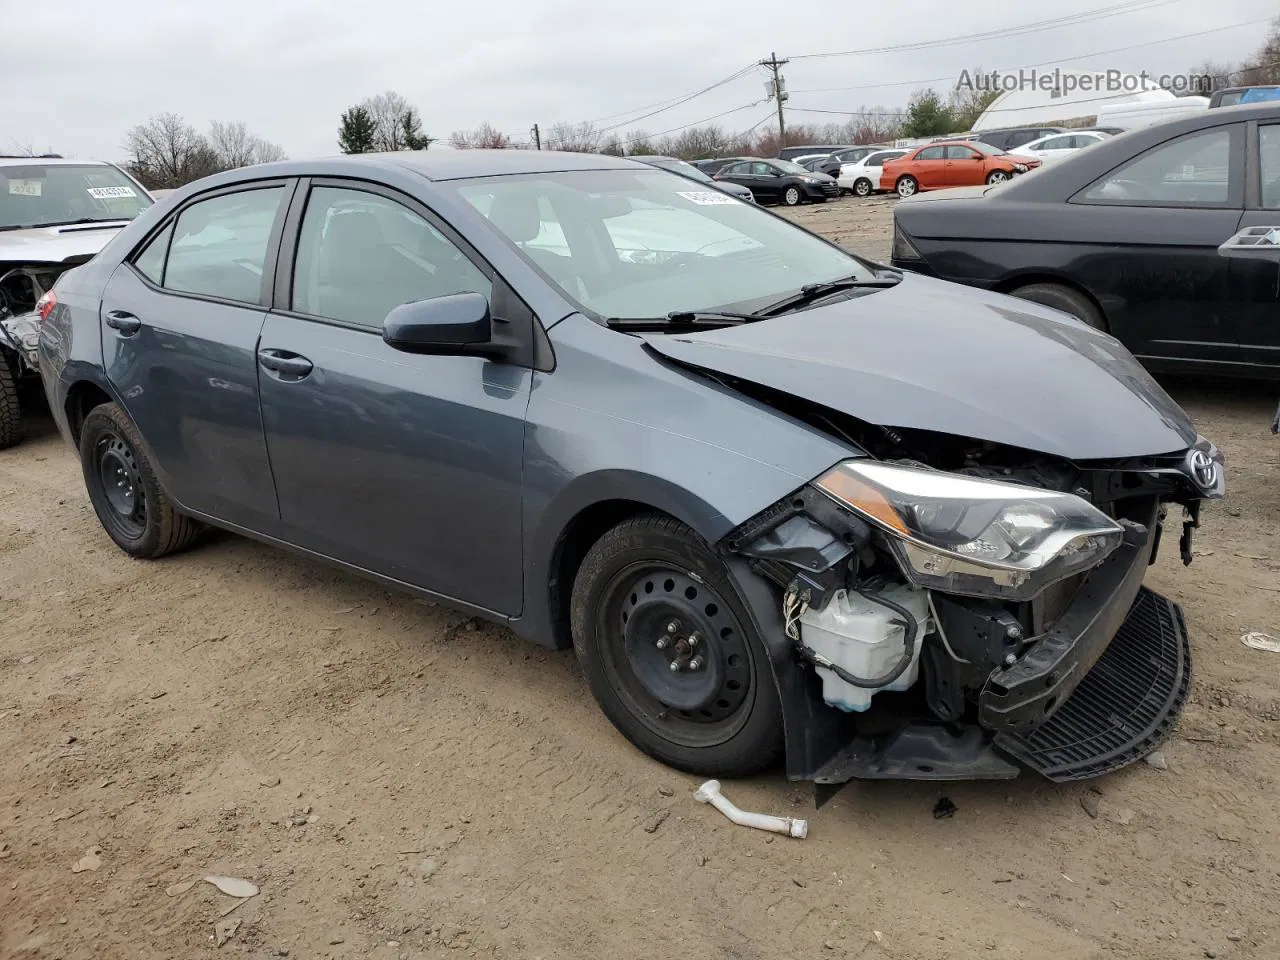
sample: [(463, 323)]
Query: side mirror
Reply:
[(1254, 243), (448, 324)]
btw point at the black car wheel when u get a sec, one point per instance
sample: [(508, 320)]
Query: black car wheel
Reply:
[(907, 186), (792, 196), (10, 412), (670, 654), (1063, 298), (997, 176), (862, 187), (123, 488)]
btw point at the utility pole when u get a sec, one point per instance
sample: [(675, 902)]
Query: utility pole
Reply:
[(777, 88), (537, 137)]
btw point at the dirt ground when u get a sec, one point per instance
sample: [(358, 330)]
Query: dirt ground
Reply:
[(402, 783)]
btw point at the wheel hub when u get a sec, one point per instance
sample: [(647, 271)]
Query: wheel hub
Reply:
[(681, 648), (122, 484)]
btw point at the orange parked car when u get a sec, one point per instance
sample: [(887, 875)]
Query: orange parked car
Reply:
[(955, 163)]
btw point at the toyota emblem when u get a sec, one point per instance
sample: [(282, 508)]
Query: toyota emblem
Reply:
[(1203, 469)]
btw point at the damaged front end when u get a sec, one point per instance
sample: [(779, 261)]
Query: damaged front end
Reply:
[(22, 286), (967, 617)]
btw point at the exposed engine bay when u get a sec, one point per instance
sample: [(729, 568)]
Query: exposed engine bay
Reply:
[(957, 603)]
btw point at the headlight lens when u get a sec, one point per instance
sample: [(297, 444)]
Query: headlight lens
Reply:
[(975, 537), (1020, 167), (809, 179)]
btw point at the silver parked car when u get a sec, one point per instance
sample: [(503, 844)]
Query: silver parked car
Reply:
[(54, 214)]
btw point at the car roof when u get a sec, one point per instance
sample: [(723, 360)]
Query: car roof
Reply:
[(50, 162)]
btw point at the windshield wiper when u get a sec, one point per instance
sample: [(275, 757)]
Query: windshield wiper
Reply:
[(816, 291), (683, 318), (73, 223)]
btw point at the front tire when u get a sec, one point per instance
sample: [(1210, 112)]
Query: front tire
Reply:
[(792, 196), (650, 594), (10, 411), (996, 176), (907, 187), (124, 491), (862, 187)]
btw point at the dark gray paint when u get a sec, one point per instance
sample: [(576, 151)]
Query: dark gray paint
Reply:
[(983, 366), (458, 476)]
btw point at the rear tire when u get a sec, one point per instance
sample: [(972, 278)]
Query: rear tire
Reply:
[(10, 411), (907, 187), (1063, 298), (124, 490), (792, 196), (862, 187), (721, 717)]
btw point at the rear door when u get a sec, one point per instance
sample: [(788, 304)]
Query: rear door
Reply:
[(930, 167), (1255, 284), (406, 465), (180, 325), (1159, 219)]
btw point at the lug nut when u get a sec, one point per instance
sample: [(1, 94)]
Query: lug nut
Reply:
[(693, 639), (695, 663), (673, 626), (663, 643), (675, 666)]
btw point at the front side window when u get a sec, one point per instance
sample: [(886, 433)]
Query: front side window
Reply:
[(961, 153), (360, 255), (645, 243), (1269, 156), (150, 262), (37, 194), (1192, 170), (761, 170), (1058, 143), (219, 246)]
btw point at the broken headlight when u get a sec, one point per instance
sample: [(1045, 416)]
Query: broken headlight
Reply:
[(975, 537)]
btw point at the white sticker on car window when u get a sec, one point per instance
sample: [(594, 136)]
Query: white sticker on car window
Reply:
[(25, 188), (111, 193), (707, 197)]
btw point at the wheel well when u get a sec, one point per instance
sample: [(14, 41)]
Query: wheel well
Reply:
[(571, 549), (1025, 280), (81, 398)]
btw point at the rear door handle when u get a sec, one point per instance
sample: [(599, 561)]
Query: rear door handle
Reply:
[(287, 365), (125, 323)]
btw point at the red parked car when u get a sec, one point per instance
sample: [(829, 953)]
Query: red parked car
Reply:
[(960, 163)]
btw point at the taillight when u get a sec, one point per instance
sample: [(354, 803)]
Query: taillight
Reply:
[(903, 248), (45, 305)]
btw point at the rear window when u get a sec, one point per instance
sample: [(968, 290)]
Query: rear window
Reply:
[(47, 194)]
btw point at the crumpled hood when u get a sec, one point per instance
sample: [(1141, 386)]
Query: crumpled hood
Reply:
[(931, 355), (56, 244)]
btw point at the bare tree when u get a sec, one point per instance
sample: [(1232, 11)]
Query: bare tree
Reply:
[(166, 152), (573, 137), (28, 149), (396, 124), (1263, 66), (638, 143), (613, 146), (235, 147), (483, 137)]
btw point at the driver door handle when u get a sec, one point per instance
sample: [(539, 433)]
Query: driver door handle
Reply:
[(284, 363), (123, 322)]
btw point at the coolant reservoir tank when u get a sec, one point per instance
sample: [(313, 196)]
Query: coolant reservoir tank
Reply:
[(863, 637)]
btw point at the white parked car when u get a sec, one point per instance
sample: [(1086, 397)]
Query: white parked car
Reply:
[(863, 177), (1058, 145)]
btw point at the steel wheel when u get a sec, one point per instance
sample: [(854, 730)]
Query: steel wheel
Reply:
[(120, 479), (791, 197), (680, 658), (907, 187)]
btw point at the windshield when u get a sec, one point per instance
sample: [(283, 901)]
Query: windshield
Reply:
[(986, 148), (51, 194), (681, 167), (647, 243)]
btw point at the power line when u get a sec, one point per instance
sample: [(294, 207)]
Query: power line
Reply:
[(686, 126), (672, 100), (1032, 66), (1087, 16)]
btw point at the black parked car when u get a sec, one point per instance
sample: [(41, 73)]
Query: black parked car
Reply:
[(1125, 237), (712, 167), (780, 181), (799, 150), (687, 169)]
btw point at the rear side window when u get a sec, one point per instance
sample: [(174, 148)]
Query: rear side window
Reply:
[(360, 255), (1199, 169), (1269, 155), (930, 153), (219, 245)]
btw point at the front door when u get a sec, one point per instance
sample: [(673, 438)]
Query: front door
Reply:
[(1255, 284), (402, 464), (180, 325), (963, 166)]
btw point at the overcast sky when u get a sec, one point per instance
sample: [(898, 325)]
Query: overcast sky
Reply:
[(75, 74)]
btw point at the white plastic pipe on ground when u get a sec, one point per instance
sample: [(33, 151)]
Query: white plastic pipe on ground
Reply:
[(710, 793)]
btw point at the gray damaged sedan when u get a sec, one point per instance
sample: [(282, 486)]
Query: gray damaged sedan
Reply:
[(781, 501)]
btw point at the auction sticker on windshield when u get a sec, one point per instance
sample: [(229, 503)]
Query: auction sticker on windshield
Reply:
[(110, 193), (25, 188), (707, 197)]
